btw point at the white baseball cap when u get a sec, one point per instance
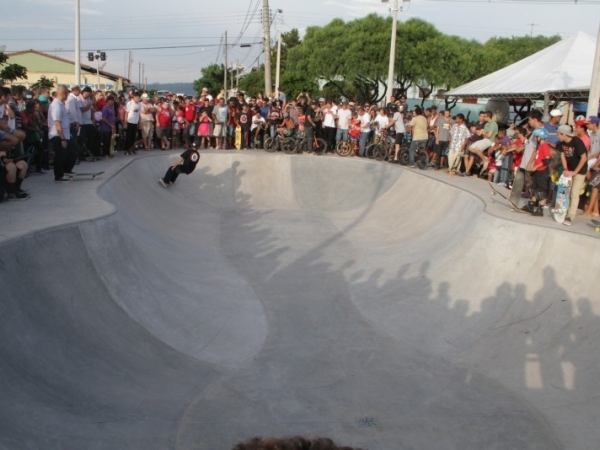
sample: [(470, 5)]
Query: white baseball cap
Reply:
[(144, 95), (556, 113)]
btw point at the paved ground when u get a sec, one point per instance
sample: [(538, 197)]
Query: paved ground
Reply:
[(275, 295)]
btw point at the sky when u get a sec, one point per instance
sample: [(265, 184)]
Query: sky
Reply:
[(193, 29)]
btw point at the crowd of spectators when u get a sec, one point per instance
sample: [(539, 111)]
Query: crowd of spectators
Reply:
[(40, 129)]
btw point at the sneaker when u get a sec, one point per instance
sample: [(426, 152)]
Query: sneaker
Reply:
[(538, 212), (17, 196), (567, 222), (61, 179), (162, 183), (70, 173), (411, 166)]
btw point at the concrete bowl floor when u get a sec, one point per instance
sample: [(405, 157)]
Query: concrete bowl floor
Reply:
[(274, 295)]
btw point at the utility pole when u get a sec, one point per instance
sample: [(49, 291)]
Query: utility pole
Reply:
[(266, 20), (390, 81), (77, 43), (225, 81), (143, 74), (532, 25), (593, 100), (278, 69), (139, 75), (129, 67)]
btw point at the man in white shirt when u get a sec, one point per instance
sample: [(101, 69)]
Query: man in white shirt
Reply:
[(594, 141), (59, 133), (397, 123), (365, 129), (343, 122), (329, 117), (132, 119)]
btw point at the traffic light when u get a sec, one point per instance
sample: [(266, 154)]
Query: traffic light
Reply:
[(102, 56), (90, 56)]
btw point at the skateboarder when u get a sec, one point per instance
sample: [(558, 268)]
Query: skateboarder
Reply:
[(574, 160), (538, 167), (186, 164)]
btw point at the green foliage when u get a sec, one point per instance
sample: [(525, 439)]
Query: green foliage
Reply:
[(253, 82), (43, 82), (212, 78), (10, 72), (352, 57)]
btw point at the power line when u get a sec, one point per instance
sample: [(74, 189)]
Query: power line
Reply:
[(62, 50)]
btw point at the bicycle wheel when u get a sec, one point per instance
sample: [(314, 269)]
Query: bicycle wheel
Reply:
[(369, 150), (404, 157), (343, 148), (422, 160), (379, 152), (320, 146), (288, 145), (270, 145)]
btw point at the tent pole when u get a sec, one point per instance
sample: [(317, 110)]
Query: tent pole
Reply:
[(546, 106), (593, 100)]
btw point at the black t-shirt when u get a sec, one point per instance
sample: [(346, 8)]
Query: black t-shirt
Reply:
[(244, 121), (476, 137), (310, 112), (573, 150), (190, 159)]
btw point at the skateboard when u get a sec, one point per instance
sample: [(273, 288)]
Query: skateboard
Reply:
[(512, 206), (238, 137), (113, 146), (563, 195), (94, 175)]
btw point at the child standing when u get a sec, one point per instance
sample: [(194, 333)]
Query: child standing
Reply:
[(538, 166), (204, 129)]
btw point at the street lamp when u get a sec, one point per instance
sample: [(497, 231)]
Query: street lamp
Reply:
[(98, 56)]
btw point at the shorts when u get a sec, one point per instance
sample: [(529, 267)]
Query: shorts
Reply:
[(4, 133), (481, 145), (288, 132), (541, 180), (163, 132), (147, 129), (399, 138), (595, 181), (220, 129)]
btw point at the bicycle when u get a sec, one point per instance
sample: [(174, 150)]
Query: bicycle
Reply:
[(319, 144), (346, 148), (421, 157), (286, 145), (382, 149)]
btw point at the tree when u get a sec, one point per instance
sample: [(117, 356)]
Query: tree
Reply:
[(10, 72), (212, 78), (43, 82), (253, 82)]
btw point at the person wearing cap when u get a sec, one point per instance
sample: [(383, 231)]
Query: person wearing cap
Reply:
[(538, 168), (310, 124), (147, 112), (132, 119), (552, 125), (365, 130), (573, 156), (581, 133), (593, 167)]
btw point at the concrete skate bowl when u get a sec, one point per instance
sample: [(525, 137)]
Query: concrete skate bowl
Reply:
[(275, 295)]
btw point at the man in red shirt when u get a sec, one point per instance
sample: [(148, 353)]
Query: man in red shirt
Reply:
[(189, 111), (538, 167), (164, 118)]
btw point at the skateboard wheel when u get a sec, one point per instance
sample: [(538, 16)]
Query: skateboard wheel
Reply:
[(71, 178), (93, 178), (597, 229)]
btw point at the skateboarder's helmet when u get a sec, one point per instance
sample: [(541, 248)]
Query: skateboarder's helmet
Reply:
[(541, 133)]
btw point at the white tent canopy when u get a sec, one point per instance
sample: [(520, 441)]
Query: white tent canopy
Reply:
[(563, 69)]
